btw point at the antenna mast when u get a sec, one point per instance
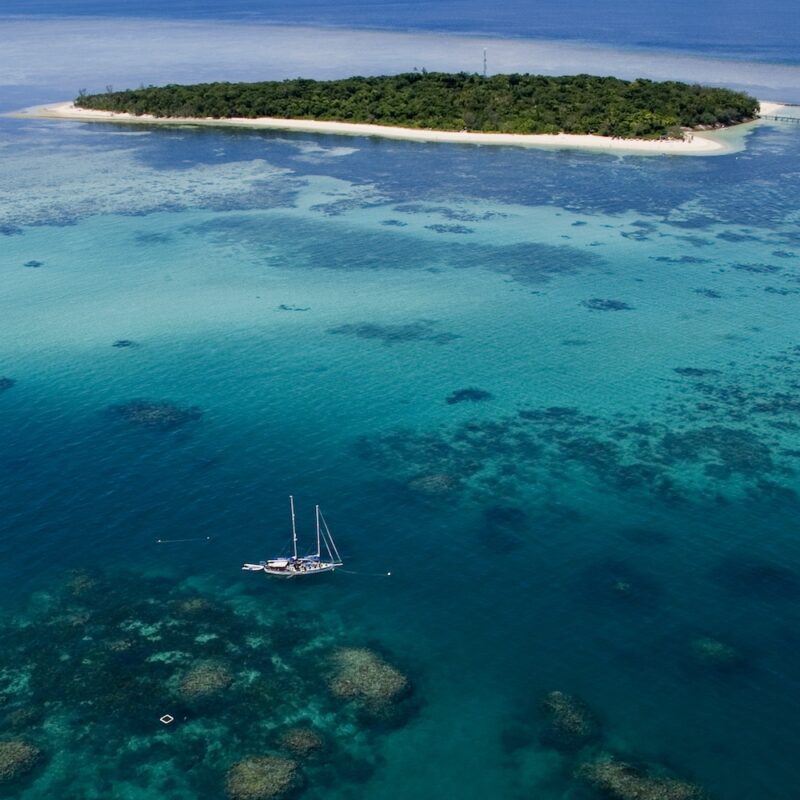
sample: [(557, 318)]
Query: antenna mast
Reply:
[(484, 62), (294, 529), (319, 551)]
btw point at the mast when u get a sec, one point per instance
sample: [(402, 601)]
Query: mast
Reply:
[(294, 529), (330, 545), (319, 551)]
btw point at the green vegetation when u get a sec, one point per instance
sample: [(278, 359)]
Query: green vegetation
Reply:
[(500, 103)]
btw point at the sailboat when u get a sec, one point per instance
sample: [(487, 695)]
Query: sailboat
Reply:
[(295, 566)]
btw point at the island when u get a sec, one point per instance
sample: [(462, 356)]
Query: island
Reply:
[(574, 111), (523, 104)]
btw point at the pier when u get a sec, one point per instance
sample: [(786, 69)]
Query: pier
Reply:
[(783, 117)]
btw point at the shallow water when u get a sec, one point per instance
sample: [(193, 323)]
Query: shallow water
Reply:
[(623, 484)]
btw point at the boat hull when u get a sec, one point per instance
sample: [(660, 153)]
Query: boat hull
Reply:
[(300, 571), (286, 568)]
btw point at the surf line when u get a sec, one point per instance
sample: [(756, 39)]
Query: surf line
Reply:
[(176, 541)]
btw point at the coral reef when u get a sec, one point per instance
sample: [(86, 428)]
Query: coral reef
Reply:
[(619, 780), (110, 654), (598, 304), (80, 581), (261, 778), (16, 758), (193, 605), (715, 654), (362, 675), (470, 394), (422, 331), (301, 742), (156, 414), (443, 228), (738, 441), (205, 679), (695, 372), (571, 724)]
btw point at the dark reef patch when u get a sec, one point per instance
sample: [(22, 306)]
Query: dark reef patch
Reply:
[(695, 372), (569, 722), (681, 260), (726, 434), (781, 290), (297, 242), (757, 269), (731, 236), (444, 228), (710, 293), (598, 304), (643, 230), (17, 758), (394, 223), (616, 779), (421, 331), (568, 725), (457, 214), (156, 414), (538, 263), (469, 395), (6, 383), (152, 237), (285, 307), (731, 449), (33, 264), (121, 343), (696, 241)]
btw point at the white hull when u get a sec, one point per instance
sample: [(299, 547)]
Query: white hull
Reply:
[(298, 573), (292, 569)]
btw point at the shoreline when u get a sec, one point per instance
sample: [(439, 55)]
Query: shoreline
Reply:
[(699, 144)]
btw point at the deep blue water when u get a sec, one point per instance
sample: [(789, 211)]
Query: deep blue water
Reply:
[(554, 393), (769, 30)]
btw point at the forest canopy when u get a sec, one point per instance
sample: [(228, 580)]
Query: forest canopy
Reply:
[(577, 104)]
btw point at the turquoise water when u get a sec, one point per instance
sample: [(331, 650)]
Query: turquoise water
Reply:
[(617, 487)]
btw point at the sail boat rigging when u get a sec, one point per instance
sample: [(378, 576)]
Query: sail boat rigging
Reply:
[(311, 564)]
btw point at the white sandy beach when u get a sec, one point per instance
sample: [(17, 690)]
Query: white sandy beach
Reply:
[(694, 145), (768, 107)]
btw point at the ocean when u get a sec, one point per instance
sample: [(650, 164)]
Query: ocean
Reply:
[(554, 394)]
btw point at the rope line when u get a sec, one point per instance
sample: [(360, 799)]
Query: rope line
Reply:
[(365, 574), (175, 541)]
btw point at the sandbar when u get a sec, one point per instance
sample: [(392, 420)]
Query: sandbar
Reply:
[(695, 144)]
